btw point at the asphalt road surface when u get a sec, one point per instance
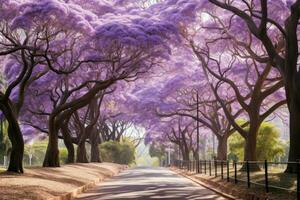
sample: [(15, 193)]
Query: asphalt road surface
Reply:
[(143, 183)]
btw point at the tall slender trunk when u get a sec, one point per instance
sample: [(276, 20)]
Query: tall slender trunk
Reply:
[(213, 145), (15, 136), (204, 149), (69, 144), (181, 151), (196, 155), (186, 154), (222, 148), (52, 153)]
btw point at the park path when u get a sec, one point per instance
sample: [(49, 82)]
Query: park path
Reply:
[(143, 183)]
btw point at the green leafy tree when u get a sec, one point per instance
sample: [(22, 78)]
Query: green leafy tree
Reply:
[(118, 152), (5, 144), (269, 145), (157, 150), (38, 150)]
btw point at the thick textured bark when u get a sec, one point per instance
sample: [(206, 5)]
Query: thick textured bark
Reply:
[(16, 138), (250, 148), (222, 148), (81, 153), (94, 140), (294, 154), (292, 83), (69, 144), (52, 153)]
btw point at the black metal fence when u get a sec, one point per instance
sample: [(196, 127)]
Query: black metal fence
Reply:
[(261, 174)]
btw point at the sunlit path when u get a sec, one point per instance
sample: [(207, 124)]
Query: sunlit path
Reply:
[(148, 183)]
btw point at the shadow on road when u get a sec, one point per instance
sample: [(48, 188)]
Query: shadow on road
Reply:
[(144, 183)]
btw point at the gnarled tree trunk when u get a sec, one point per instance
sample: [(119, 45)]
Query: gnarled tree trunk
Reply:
[(52, 153), (94, 141), (81, 153), (15, 136), (69, 144)]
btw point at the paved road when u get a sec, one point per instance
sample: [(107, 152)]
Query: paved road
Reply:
[(144, 183)]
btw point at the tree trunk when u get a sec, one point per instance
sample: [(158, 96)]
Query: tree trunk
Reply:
[(81, 153), (15, 137), (204, 149), (291, 77), (94, 140), (222, 148), (52, 153), (196, 155), (69, 144), (250, 148), (186, 155), (294, 153)]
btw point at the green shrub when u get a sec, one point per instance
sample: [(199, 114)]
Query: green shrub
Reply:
[(63, 155), (38, 150), (269, 145), (118, 152)]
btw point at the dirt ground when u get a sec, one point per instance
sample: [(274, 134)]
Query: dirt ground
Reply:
[(241, 189), (46, 183)]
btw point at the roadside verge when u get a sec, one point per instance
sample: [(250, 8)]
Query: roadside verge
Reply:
[(204, 184), (61, 183)]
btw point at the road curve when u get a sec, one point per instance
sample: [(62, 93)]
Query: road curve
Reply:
[(143, 183)]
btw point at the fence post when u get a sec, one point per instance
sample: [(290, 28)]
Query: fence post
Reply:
[(204, 166), (266, 177), (209, 167), (222, 175), (216, 168), (248, 173), (200, 166), (298, 179), (227, 170), (235, 172)]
